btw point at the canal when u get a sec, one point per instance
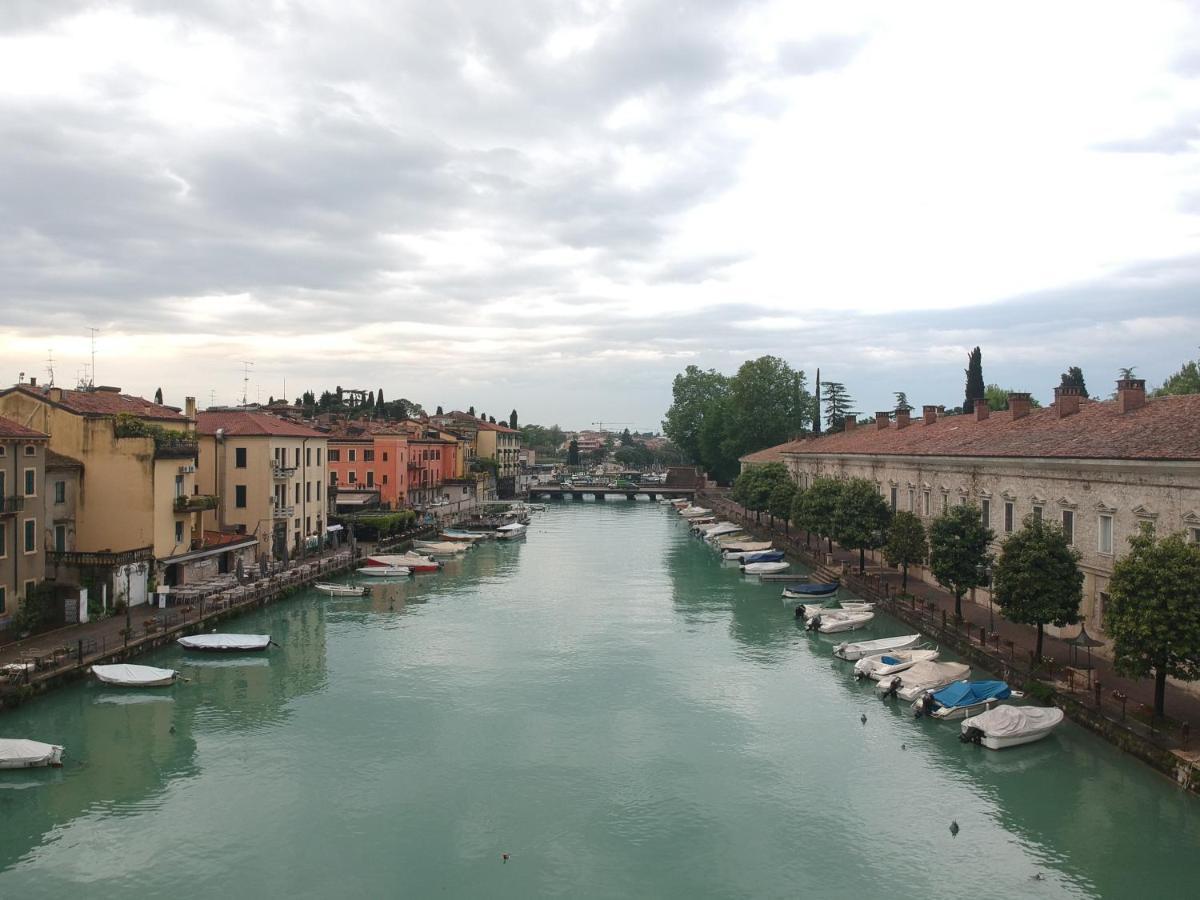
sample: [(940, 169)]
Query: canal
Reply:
[(605, 703)]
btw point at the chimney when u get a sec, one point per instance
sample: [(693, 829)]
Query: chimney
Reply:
[(902, 418), (929, 414), (982, 410), (1066, 400), (32, 381), (189, 407), (1018, 404), (1131, 394), (851, 422), (55, 395), (881, 419)]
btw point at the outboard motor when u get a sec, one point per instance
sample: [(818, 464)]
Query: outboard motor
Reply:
[(971, 735), (893, 686), (814, 624), (924, 705), (800, 614)]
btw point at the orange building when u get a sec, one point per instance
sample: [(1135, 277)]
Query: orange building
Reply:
[(371, 458)]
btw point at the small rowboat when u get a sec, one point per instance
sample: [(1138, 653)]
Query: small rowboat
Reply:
[(859, 649), (837, 620), (20, 753), (339, 590), (127, 675), (765, 568), (225, 643)]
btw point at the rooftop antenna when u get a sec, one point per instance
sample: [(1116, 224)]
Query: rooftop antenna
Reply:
[(92, 374), (212, 397), (245, 379), (50, 366)]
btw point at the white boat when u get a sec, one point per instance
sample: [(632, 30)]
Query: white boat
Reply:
[(20, 753), (963, 699), (766, 568), (511, 531), (339, 590), (859, 649), (717, 529), (441, 548), (225, 643), (385, 571), (466, 537), (1010, 726), (740, 545), (880, 665), (738, 555), (925, 676), (127, 675), (414, 561), (536, 507), (835, 620), (694, 512)]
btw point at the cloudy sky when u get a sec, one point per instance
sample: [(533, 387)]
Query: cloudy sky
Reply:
[(558, 205)]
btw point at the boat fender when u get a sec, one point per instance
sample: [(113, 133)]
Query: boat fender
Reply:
[(971, 735)]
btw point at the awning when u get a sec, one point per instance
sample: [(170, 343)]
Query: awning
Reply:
[(334, 528), (209, 551), (360, 500)]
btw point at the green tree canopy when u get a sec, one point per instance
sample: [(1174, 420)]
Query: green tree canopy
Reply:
[(1152, 614), (975, 389), (1037, 578), (902, 404), (755, 484), (695, 397), (958, 551), (158, 397), (997, 398), (779, 504), (814, 508), (906, 544), (860, 518), (838, 405), (1073, 377), (573, 453), (512, 420), (768, 403), (1185, 381)]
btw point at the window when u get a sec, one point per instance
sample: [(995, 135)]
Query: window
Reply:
[(297, 457), (368, 456), (334, 455), (307, 491), (318, 457), (945, 503), (178, 485), (3, 540), (1009, 515), (1104, 534), (1195, 535), (308, 524), (30, 536), (30, 482), (308, 456), (352, 478), (60, 492), (178, 532), (1068, 522), (385, 456), (60, 538), (962, 499), (985, 512), (352, 455), (912, 500), (29, 586), (370, 478), (1037, 513), (3, 451), (332, 481), (239, 496), (894, 492), (239, 457), (297, 488), (30, 450), (2, 491), (385, 478), (318, 492), (3, 597), (925, 501)]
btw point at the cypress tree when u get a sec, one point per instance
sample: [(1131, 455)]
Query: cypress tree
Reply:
[(975, 388), (817, 406)]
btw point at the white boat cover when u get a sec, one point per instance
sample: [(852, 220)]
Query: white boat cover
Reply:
[(765, 568), (402, 559), (514, 526), (134, 676), (385, 571), (693, 512), (926, 675), (738, 545), (225, 642), (20, 753), (1014, 721), (448, 548)]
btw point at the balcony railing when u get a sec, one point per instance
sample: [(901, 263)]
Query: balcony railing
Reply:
[(280, 471), (195, 503), (175, 448), (11, 505), (284, 512), (98, 559)]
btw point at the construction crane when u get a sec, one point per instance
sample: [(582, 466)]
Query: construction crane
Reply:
[(601, 424)]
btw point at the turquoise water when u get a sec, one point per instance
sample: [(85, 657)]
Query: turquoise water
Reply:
[(606, 703)]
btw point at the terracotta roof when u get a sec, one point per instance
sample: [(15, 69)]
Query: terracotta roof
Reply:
[(1164, 429), (364, 430), (55, 460), (491, 426), (224, 539), (11, 429), (101, 402), (243, 423)]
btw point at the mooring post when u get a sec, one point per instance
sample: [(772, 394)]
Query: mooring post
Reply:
[(1097, 693), (1185, 731)]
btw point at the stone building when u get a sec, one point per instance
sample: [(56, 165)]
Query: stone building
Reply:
[(1100, 469)]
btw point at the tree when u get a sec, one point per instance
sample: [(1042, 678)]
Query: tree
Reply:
[(573, 453), (492, 420), (860, 519), (975, 389), (1185, 381), (379, 400), (906, 544), (902, 404), (626, 438), (958, 551), (838, 405), (767, 402), (1073, 377), (1127, 372), (816, 421), (755, 485), (512, 420), (816, 508), (158, 397), (779, 504), (997, 398), (1152, 615), (598, 455), (695, 397), (439, 411), (1037, 579), (470, 411)]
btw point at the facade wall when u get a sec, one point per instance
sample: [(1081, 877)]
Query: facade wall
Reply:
[(379, 463), (58, 516), (21, 510)]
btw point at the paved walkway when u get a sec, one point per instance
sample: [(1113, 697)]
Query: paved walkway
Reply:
[(1182, 705)]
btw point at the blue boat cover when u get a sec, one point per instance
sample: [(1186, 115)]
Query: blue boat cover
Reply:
[(814, 590), (964, 693), (763, 556), (890, 661)]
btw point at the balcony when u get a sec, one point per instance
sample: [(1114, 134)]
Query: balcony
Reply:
[(10, 505), (195, 503), (175, 448), (284, 512), (99, 559), (281, 472)]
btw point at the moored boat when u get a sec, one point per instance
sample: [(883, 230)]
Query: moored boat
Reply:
[(339, 590), (225, 643), (834, 621), (963, 699), (22, 753), (441, 548), (858, 649), (466, 537), (881, 665), (809, 591), (412, 561), (924, 676), (740, 555), (385, 571), (765, 568), (128, 675), (1010, 726), (511, 532), (693, 512), (742, 545), (762, 556)]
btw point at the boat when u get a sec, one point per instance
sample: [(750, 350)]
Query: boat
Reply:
[(714, 531), (225, 643), (693, 512), (924, 676), (763, 556), (808, 591), (21, 753), (127, 675), (742, 545), (413, 561), (881, 665), (765, 568), (740, 555), (536, 507), (834, 621), (858, 649), (385, 571), (963, 699), (813, 607), (339, 590), (466, 537), (441, 548), (1010, 726), (511, 532)]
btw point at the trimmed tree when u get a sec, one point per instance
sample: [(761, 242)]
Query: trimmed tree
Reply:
[(573, 453), (860, 518), (158, 396), (1037, 577), (958, 551), (780, 502), (820, 504), (512, 420), (906, 544), (1152, 614)]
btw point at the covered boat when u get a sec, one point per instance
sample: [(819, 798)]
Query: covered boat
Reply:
[(511, 531), (385, 571), (339, 590), (21, 753), (763, 556), (740, 555), (859, 649), (765, 568), (836, 620), (413, 561), (742, 545), (127, 675), (225, 643), (880, 665), (924, 676), (1010, 726), (694, 512), (466, 537), (717, 529), (815, 607), (962, 699), (808, 591), (441, 548)]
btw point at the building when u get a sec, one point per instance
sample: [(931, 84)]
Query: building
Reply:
[(136, 507), (1101, 470), (22, 542), (269, 476), (60, 500), (368, 465)]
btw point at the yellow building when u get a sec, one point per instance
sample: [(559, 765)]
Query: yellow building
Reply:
[(269, 474), (22, 548)]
